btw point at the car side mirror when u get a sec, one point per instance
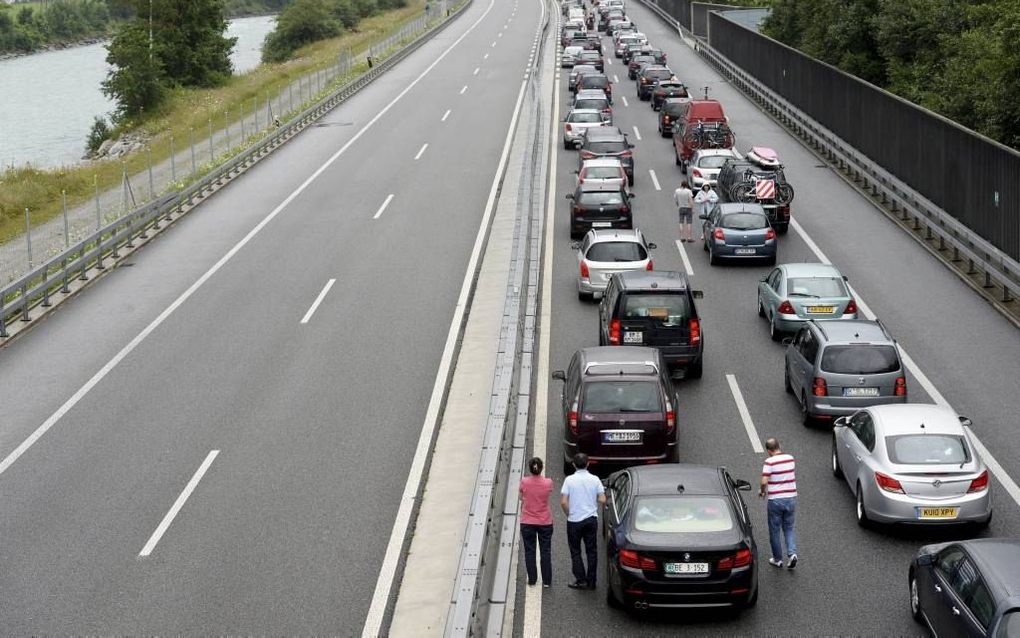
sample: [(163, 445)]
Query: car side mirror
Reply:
[(925, 560), (629, 145), (787, 341), (841, 422), (579, 143), (569, 196), (763, 278), (698, 294), (742, 485), (631, 194), (559, 375), (576, 245), (652, 246), (965, 422), (703, 216), (845, 278)]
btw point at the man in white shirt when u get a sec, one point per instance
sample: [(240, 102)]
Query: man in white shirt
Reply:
[(779, 483), (580, 498), (684, 199)]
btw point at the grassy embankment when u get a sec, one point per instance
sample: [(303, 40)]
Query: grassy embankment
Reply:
[(39, 190)]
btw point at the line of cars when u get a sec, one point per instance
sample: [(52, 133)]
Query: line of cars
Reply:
[(904, 463)]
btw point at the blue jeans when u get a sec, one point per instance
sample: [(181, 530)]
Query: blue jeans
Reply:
[(781, 516)]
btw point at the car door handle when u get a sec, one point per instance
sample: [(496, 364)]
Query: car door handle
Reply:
[(938, 589), (956, 612), (857, 457)]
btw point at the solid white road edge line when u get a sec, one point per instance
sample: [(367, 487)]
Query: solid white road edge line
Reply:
[(683, 256), (655, 179), (178, 504), (421, 151), (996, 468), (388, 569), (745, 415), (126, 350), (318, 300), (386, 202)]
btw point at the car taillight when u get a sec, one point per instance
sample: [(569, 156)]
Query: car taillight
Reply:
[(650, 266), (696, 173), (901, 386), (630, 558), (670, 419), (577, 210), (770, 234), (785, 210), (888, 483), (741, 559), (614, 332), (818, 387), (572, 418), (627, 154), (587, 154), (851, 307), (719, 234), (785, 308), (584, 269), (979, 484), (665, 119), (694, 326)]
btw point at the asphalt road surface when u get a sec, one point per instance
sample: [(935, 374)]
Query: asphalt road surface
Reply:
[(849, 580), (208, 375)]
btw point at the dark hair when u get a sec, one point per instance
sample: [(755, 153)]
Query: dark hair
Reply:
[(772, 444), (684, 184), (535, 466), (580, 460)]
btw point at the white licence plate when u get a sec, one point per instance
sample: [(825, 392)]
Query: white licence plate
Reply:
[(621, 436), (860, 392), (601, 224), (633, 337), (746, 251), (685, 568)]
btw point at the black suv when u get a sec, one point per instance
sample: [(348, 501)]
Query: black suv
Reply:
[(667, 89), (650, 76), (607, 141), (619, 406), (669, 114), (656, 309), (736, 183), (597, 206)]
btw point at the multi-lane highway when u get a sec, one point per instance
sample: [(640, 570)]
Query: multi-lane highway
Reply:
[(849, 580), (215, 439)]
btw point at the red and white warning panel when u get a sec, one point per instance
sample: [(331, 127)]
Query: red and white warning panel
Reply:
[(765, 189)]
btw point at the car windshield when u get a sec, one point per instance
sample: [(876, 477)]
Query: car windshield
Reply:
[(744, 221), (614, 397), (590, 103), (712, 161), (616, 251), (816, 287), (860, 359), (603, 172), (606, 147), (927, 449), (600, 198), (585, 118), (682, 514), (669, 308)]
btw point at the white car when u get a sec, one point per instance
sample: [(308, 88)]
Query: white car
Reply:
[(570, 55), (705, 165), (607, 172), (577, 122), (603, 253)]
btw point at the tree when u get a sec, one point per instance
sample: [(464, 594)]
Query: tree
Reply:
[(301, 23), (136, 80)]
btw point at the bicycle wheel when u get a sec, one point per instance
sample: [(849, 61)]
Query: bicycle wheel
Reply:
[(784, 193), (742, 192)]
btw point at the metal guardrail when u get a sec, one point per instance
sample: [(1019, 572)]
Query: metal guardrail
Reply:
[(54, 277), (480, 592), (996, 268)]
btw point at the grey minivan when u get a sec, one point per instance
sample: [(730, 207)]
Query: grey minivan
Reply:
[(836, 368)]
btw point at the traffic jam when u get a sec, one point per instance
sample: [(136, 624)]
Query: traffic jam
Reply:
[(678, 535)]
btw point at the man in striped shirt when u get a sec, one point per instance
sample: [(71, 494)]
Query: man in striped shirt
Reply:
[(779, 483)]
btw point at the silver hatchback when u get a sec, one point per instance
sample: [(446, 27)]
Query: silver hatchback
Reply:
[(603, 253), (912, 463), (794, 293), (577, 122)]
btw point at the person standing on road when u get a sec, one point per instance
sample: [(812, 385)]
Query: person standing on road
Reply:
[(580, 498), (779, 483), (536, 521), (705, 200), (684, 199)]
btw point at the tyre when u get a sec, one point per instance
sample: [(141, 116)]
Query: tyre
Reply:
[(786, 379), (586, 297), (915, 599), (611, 600), (752, 601), (695, 370), (761, 308), (983, 525), (771, 261), (861, 510), (782, 229), (674, 456), (837, 470), (774, 332), (712, 259), (805, 417)]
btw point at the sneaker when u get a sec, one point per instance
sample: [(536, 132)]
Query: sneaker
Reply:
[(578, 585), (531, 583), (775, 563), (546, 585), (792, 562)]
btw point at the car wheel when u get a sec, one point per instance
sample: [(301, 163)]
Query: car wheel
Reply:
[(712, 259), (774, 332), (695, 370), (611, 599), (837, 471), (915, 598), (782, 229), (761, 307), (805, 416), (771, 261), (586, 297), (983, 525), (862, 511), (567, 145), (786, 379), (752, 601)]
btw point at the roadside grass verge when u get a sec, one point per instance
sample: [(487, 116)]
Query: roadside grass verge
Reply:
[(187, 114)]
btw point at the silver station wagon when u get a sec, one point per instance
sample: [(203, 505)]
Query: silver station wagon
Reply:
[(603, 253)]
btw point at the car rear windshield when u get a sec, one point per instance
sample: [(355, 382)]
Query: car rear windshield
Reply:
[(860, 359), (658, 74), (617, 251), (590, 103), (744, 221), (606, 147), (682, 514), (596, 82), (585, 118), (600, 198), (816, 287), (614, 397), (927, 449), (638, 60), (712, 161), (603, 172), (669, 308)]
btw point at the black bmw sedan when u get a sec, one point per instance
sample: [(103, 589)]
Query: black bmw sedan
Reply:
[(678, 536)]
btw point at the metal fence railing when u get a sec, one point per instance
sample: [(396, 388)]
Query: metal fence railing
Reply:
[(90, 254)]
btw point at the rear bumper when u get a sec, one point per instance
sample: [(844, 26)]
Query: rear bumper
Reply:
[(884, 507), (844, 406), (640, 593), (635, 457), (679, 358), (725, 251), (587, 287), (793, 323)]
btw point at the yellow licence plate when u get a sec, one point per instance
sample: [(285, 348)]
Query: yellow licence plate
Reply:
[(937, 512), (817, 310)]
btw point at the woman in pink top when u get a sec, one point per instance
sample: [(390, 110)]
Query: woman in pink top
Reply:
[(536, 521)]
